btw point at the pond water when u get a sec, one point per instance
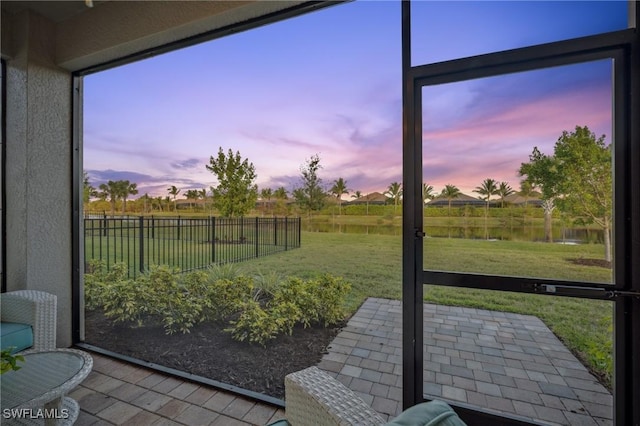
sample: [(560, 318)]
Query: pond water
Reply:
[(516, 233)]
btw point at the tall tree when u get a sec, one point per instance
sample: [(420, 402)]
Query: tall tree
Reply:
[(427, 193), (586, 184), (395, 192), (266, 194), (338, 189), (526, 191), (192, 195), (111, 191), (503, 191), (88, 190), (147, 203), (236, 193), (450, 192), (542, 172), (311, 195), (280, 193), (203, 195), (127, 188), (157, 202), (487, 190), (173, 191)]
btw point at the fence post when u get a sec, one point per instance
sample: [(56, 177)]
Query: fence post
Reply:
[(153, 227), (178, 227), (141, 245), (104, 223), (299, 232), (213, 239), (257, 236), (286, 231), (275, 231)]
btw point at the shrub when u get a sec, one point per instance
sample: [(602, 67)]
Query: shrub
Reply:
[(253, 324), (256, 308), (328, 292), (266, 285), (95, 283), (227, 296), (225, 271)]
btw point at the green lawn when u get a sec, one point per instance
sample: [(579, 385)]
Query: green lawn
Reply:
[(373, 265)]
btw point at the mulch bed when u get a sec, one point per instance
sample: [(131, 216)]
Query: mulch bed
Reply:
[(590, 262), (210, 352)]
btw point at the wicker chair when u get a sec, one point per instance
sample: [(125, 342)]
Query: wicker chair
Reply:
[(314, 398), (36, 308)]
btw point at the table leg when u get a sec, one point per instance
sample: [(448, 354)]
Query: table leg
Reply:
[(54, 412)]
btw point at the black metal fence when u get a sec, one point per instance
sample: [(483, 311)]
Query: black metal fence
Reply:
[(185, 243)]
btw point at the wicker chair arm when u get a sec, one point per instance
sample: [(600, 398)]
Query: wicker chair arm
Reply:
[(33, 307), (313, 397)]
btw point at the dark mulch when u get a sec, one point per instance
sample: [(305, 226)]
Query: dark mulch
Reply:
[(590, 262), (209, 352)]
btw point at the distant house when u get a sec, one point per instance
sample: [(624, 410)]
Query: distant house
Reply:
[(518, 200), (467, 200), (460, 201), (372, 199), (189, 203)]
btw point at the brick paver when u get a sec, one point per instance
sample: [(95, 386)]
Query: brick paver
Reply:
[(157, 399), (500, 361)]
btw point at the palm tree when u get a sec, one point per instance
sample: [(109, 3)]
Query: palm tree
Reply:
[(280, 193), (427, 192), (127, 189), (395, 192), (504, 190), (157, 201), (192, 194), (486, 190), (88, 189), (357, 195), (203, 194), (526, 191), (110, 190), (145, 202), (266, 194), (174, 191), (339, 187), (450, 192)]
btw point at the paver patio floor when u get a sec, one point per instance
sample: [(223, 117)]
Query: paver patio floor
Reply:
[(508, 363)]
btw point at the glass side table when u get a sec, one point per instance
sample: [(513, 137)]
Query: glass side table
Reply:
[(35, 394)]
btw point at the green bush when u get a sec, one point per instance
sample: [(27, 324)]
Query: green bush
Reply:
[(228, 296), (257, 309), (253, 325), (294, 301)]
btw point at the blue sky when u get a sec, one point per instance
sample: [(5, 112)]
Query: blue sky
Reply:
[(329, 83)]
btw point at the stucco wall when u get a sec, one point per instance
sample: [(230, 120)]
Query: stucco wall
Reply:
[(38, 167)]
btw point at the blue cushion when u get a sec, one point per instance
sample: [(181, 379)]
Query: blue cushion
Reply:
[(282, 422), (433, 413), (17, 335)]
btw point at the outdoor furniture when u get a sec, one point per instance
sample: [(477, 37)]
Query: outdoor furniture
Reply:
[(35, 394), (313, 397), (34, 308)]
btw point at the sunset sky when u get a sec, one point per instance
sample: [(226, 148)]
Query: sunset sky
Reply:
[(329, 83)]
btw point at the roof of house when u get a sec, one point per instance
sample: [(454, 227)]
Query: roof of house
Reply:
[(371, 198)]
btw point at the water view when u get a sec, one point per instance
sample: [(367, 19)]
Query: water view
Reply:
[(509, 233)]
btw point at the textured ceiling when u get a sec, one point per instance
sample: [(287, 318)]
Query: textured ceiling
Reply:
[(56, 11)]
